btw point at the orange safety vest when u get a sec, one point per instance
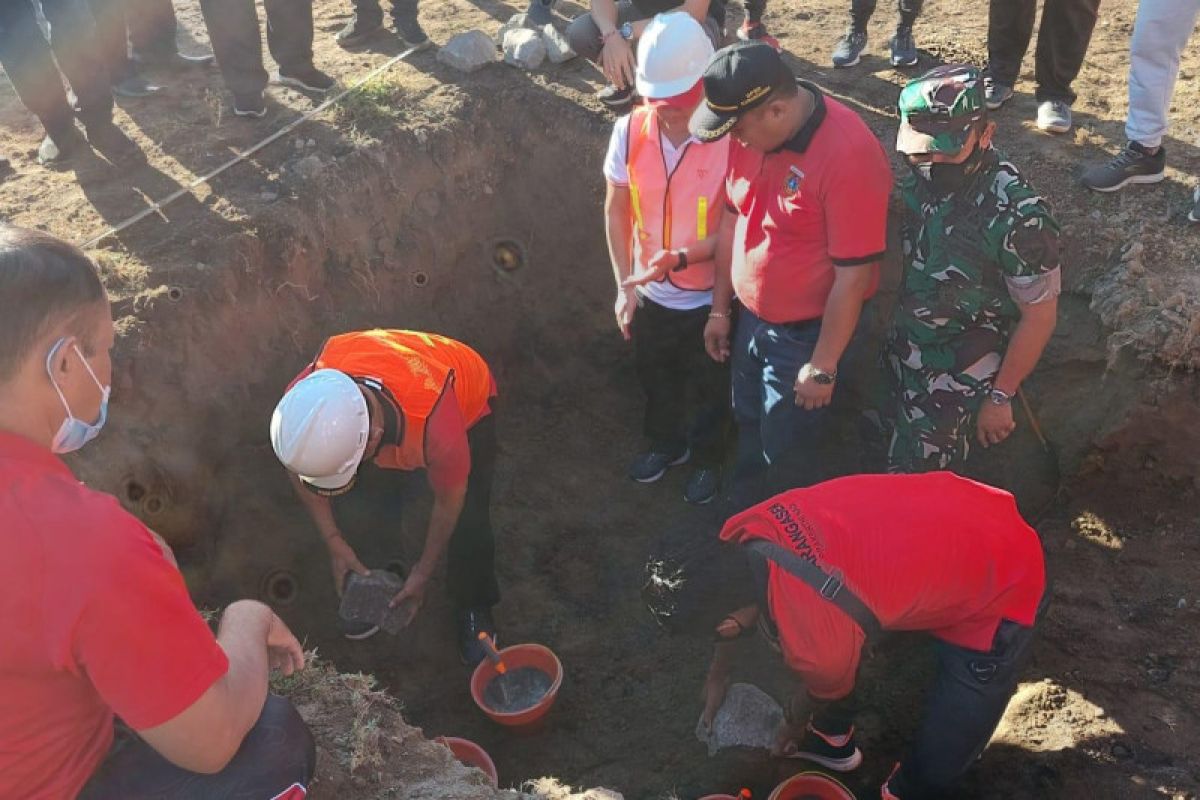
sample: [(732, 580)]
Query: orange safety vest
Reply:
[(675, 210), (415, 369)]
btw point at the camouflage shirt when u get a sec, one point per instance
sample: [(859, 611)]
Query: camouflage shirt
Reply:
[(954, 304)]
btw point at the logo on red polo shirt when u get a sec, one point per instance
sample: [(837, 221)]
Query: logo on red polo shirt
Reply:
[(791, 182)]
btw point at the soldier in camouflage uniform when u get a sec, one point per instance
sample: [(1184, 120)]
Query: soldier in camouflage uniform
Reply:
[(978, 298)]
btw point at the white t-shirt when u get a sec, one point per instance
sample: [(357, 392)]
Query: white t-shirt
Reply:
[(662, 292)]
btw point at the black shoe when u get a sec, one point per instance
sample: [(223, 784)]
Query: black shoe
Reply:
[(615, 98), (904, 49), (838, 753), (411, 34), (649, 467), (470, 624), (111, 142), (306, 79), (1134, 164), (172, 59), (250, 106), (57, 148), (136, 86), (357, 32), (849, 48), (702, 486), (995, 94)]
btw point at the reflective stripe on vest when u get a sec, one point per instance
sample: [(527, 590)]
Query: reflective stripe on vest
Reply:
[(416, 368), (676, 210)]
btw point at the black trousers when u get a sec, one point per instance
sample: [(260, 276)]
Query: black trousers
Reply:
[(26, 57), (233, 29), (148, 25), (471, 561), (861, 11), (370, 11), (1063, 39), (277, 754), (671, 362)]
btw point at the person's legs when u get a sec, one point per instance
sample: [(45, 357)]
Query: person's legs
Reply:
[(1010, 27), (755, 10), (1160, 33), (963, 707), (746, 369), (1063, 39), (290, 33), (471, 567), (584, 36), (73, 39), (368, 12), (276, 762), (909, 10), (709, 380), (790, 434), (659, 357), (152, 27), (931, 427), (860, 13), (26, 58), (112, 45), (237, 44)]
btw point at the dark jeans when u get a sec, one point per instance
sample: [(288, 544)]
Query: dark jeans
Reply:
[(861, 11), (148, 25), (27, 59), (233, 28), (584, 36), (668, 348), (471, 562), (776, 437), (755, 10), (1062, 42), (277, 754), (371, 12)]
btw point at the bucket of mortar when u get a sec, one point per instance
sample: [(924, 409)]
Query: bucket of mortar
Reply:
[(515, 658), (811, 786), (472, 755)]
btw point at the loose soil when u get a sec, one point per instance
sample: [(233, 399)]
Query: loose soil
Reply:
[(471, 205)]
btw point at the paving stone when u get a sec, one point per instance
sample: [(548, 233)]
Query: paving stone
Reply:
[(748, 718)]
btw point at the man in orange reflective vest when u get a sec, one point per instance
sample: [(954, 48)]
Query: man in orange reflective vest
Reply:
[(404, 400), (666, 195)]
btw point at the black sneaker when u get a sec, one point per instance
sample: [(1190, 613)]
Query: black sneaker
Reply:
[(250, 106), (171, 59), (59, 147), (411, 34), (1194, 214), (616, 99), (1134, 164), (849, 48), (995, 94), (838, 753), (357, 32), (904, 48), (136, 86), (306, 79), (470, 624), (702, 486), (649, 467)]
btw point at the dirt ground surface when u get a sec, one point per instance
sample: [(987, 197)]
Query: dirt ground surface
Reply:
[(404, 206)]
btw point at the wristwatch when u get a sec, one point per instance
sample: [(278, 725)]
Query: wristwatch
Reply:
[(999, 397), (626, 31), (817, 374), (683, 262)]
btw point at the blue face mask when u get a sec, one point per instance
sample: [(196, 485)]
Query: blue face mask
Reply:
[(74, 433)]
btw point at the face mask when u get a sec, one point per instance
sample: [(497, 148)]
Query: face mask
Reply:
[(75, 433), (944, 179)]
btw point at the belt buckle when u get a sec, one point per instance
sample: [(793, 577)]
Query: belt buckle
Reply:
[(833, 584)]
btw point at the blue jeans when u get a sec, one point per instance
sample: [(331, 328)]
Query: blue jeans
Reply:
[(776, 437)]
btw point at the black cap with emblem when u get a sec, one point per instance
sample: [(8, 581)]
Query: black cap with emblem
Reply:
[(738, 78)]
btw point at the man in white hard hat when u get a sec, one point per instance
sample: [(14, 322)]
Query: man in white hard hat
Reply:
[(403, 400), (666, 196)]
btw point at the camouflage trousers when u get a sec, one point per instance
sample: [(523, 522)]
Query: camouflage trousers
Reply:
[(934, 411)]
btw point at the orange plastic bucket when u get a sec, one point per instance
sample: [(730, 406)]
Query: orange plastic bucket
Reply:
[(472, 755), (811, 786), (718, 797), (515, 657)]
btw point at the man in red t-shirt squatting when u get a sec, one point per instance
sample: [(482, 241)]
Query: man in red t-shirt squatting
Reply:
[(96, 617), (933, 553), (807, 191)]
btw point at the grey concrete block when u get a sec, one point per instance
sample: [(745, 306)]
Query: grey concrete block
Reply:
[(524, 49), (365, 599), (749, 717), (468, 51)]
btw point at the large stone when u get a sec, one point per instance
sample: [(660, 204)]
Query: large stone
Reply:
[(468, 51), (515, 23), (747, 718), (557, 46), (524, 49), (365, 598)]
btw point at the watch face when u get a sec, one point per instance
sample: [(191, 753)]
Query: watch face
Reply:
[(823, 379)]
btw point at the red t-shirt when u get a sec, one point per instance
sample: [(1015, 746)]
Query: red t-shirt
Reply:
[(95, 622), (818, 203), (932, 552)]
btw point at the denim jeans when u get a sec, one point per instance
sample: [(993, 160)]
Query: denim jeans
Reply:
[(776, 437)]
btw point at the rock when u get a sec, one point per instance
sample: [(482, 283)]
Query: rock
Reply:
[(557, 46), (747, 718), (468, 51), (308, 167), (366, 597), (311, 143), (524, 49), (515, 23)]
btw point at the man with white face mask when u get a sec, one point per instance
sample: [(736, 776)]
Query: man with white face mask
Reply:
[(96, 617)]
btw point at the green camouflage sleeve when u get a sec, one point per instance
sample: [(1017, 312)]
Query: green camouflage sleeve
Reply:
[(1025, 236)]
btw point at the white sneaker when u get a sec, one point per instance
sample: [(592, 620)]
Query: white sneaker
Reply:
[(1054, 116), (1194, 214)]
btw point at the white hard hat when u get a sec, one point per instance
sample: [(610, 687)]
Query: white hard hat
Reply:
[(671, 56), (320, 429)]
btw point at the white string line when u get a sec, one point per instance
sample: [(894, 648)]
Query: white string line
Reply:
[(156, 208)]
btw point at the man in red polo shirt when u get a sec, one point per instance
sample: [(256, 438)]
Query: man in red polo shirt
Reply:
[(97, 621), (808, 191), (820, 570)]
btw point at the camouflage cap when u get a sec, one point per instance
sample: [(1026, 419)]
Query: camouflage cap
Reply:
[(938, 109)]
